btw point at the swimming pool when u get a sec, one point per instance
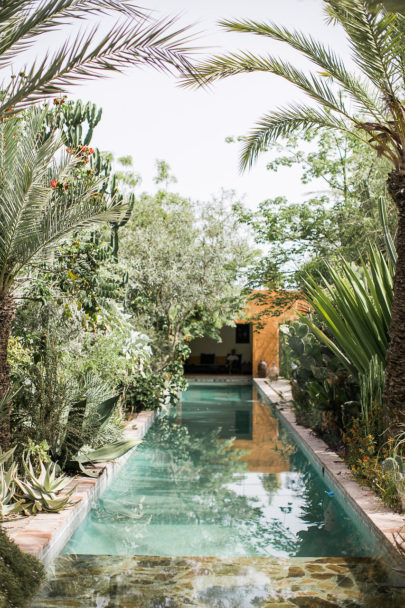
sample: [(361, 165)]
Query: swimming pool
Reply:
[(219, 492)]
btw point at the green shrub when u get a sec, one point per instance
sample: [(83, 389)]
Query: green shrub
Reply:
[(145, 393), (365, 458), (20, 574), (325, 395)]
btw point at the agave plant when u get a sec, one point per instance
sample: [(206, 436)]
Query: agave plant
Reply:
[(356, 309), (47, 480), (106, 453), (8, 505), (38, 492)]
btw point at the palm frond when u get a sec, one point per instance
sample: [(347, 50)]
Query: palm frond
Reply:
[(23, 21), (375, 39), (285, 121), (238, 63), (129, 43), (325, 58), (33, 215)]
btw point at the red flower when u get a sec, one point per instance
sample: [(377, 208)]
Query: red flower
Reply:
[(66, 186), (84, 148), (91, 151), (54, 183), (86, 160), (68, 149)]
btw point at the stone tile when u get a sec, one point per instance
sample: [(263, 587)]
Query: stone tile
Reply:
[(152, 582)]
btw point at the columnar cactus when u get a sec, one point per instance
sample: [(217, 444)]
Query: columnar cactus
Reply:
[(115, 226), (71, 117)]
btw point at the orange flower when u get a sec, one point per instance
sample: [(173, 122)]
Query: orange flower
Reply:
[(54, 183)]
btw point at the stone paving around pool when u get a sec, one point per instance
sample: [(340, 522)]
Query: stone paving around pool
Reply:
[(383, 523), (106, 581)]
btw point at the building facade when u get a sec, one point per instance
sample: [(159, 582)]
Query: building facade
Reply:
[(253, 338)]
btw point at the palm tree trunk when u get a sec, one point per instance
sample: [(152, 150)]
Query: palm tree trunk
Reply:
[(6, 317), (394, 393)]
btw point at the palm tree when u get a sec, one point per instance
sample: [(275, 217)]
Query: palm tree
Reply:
[(367, 102), (41, 200), (135, 39), (32, 214)]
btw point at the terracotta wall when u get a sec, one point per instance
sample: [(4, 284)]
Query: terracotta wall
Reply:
[(266, 340)]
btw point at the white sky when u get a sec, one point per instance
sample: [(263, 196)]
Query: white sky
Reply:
[(147, 115)]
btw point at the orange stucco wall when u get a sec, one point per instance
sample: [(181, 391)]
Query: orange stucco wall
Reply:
[(266, 340)]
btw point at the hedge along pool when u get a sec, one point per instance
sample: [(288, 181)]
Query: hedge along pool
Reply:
[(198, 518)]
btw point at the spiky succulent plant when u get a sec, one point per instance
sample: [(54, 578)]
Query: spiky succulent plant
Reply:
[(38, 492), (8, 505)]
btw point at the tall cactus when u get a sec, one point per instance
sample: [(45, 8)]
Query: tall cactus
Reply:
[(77, 121), (115, 226), (73, 119)]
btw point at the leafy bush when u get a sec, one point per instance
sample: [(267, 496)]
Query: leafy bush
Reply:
[(20, 574), (116, 355), (323, 391), (355, 307), (145, 392), (366, 460)]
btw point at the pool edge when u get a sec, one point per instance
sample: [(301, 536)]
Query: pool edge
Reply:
[(378, 519), (45, 535)]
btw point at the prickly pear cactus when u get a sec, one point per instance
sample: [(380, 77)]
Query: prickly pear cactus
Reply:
[(320, 387), (310, 358)]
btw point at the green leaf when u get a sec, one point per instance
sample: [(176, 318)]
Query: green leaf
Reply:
[(356, 311), (110, 451), (105, 409)]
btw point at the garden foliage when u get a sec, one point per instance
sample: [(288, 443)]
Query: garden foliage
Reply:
[(20, 574), (100, 329)]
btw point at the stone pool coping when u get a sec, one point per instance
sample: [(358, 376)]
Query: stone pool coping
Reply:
[(219, 379), (383, 523), (44, 535)]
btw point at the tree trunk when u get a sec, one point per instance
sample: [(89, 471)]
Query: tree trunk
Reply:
[(6, 317), (394, 392)]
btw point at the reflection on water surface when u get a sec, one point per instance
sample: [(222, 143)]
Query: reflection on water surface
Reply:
[(214, 494)]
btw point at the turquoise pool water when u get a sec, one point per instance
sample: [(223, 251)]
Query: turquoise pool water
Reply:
[(188, 490)]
